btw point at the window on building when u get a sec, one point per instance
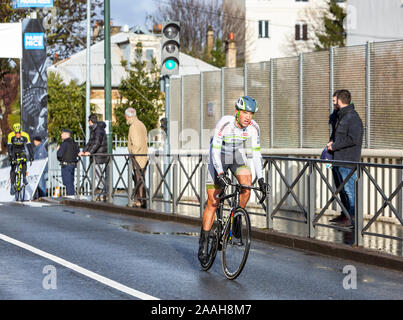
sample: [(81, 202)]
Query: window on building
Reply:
[(301, 31), (263, 28)]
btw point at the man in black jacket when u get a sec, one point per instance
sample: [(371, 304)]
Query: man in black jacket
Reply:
[(347, 146), (97, 144), (98, 140), (67, 154), (333, 118)]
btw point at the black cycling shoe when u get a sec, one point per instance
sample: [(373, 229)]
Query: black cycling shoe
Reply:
[(25, 181), (203, 246), (237, 241)]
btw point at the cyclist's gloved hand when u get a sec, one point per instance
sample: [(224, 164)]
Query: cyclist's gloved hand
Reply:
[(263, 187), (223, 180)]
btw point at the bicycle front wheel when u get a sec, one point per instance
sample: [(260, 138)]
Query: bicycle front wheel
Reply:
[(236, 243)]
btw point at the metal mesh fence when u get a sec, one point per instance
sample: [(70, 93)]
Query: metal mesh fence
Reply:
[(211, 104), (350, 73), (295, 96), (285, 103), (386, 115), (258, 87), (190, 135), (175, 111), (233, 88), (315, 99)]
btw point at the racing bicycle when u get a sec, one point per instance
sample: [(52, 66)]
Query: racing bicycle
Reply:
[(19, 185), (231, 234)]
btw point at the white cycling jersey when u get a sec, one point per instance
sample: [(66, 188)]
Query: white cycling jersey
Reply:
[(230, 141)]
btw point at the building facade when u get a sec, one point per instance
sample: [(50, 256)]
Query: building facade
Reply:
[(279, 28), (374, 20)]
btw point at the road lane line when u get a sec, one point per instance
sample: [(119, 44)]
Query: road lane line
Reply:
[(83, 271)]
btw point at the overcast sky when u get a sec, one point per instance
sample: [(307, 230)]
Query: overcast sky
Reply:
[(131, 12)]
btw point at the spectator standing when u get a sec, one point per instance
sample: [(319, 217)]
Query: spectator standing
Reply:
[(67, 154), (97, 143), (346, 146), (41, 153), (333, 118), (137, 144)]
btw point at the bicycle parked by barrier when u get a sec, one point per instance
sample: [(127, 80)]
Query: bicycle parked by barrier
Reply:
[(231, 234)]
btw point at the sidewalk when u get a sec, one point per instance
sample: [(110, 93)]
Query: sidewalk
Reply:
[(328, 242)]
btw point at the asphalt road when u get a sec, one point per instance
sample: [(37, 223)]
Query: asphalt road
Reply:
[(57, 252)]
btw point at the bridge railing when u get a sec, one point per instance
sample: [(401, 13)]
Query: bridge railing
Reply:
[(303, 190)]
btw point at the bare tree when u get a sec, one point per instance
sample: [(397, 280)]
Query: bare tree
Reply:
[(196, 16)]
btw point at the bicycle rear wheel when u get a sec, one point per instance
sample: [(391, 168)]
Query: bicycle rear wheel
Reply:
[(236, 244), (213, 247)]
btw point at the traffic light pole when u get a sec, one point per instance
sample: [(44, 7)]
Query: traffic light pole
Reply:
[(167, 145), (108, 85), (108, 95)]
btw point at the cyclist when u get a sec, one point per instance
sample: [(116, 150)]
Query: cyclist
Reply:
[(227, 151), (18, 143)]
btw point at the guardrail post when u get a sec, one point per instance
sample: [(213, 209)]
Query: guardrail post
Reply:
[(269, 199), (311, 199), (93, 178), (129, 182), (110, 179), (151, 180), (202, 186), (175, 185), (359, 209), (78, 182)]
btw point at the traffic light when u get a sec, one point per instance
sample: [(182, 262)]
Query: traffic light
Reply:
[(170, 46)]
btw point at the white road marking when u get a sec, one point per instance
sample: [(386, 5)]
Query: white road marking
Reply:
[(83, 271), (36, 204)]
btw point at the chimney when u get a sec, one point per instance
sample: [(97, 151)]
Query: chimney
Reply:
[(97, 29), (157, 27), (230, 52), (210, 41)]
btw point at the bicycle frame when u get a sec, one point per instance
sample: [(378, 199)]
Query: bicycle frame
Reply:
[(234, 206)]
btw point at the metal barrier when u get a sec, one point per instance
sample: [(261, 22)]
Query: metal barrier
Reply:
[(303, 191)]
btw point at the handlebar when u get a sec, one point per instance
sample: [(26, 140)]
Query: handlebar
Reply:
[(243, 186)]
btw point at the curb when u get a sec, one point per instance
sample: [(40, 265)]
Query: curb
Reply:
[(357, 254)]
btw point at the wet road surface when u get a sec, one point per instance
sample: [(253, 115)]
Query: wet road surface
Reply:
[(58, 252)]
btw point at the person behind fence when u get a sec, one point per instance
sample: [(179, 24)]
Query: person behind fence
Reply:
[(67, 154), (137, 144), (41, 153), (18, 143), (97, 143), (346, 146)]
